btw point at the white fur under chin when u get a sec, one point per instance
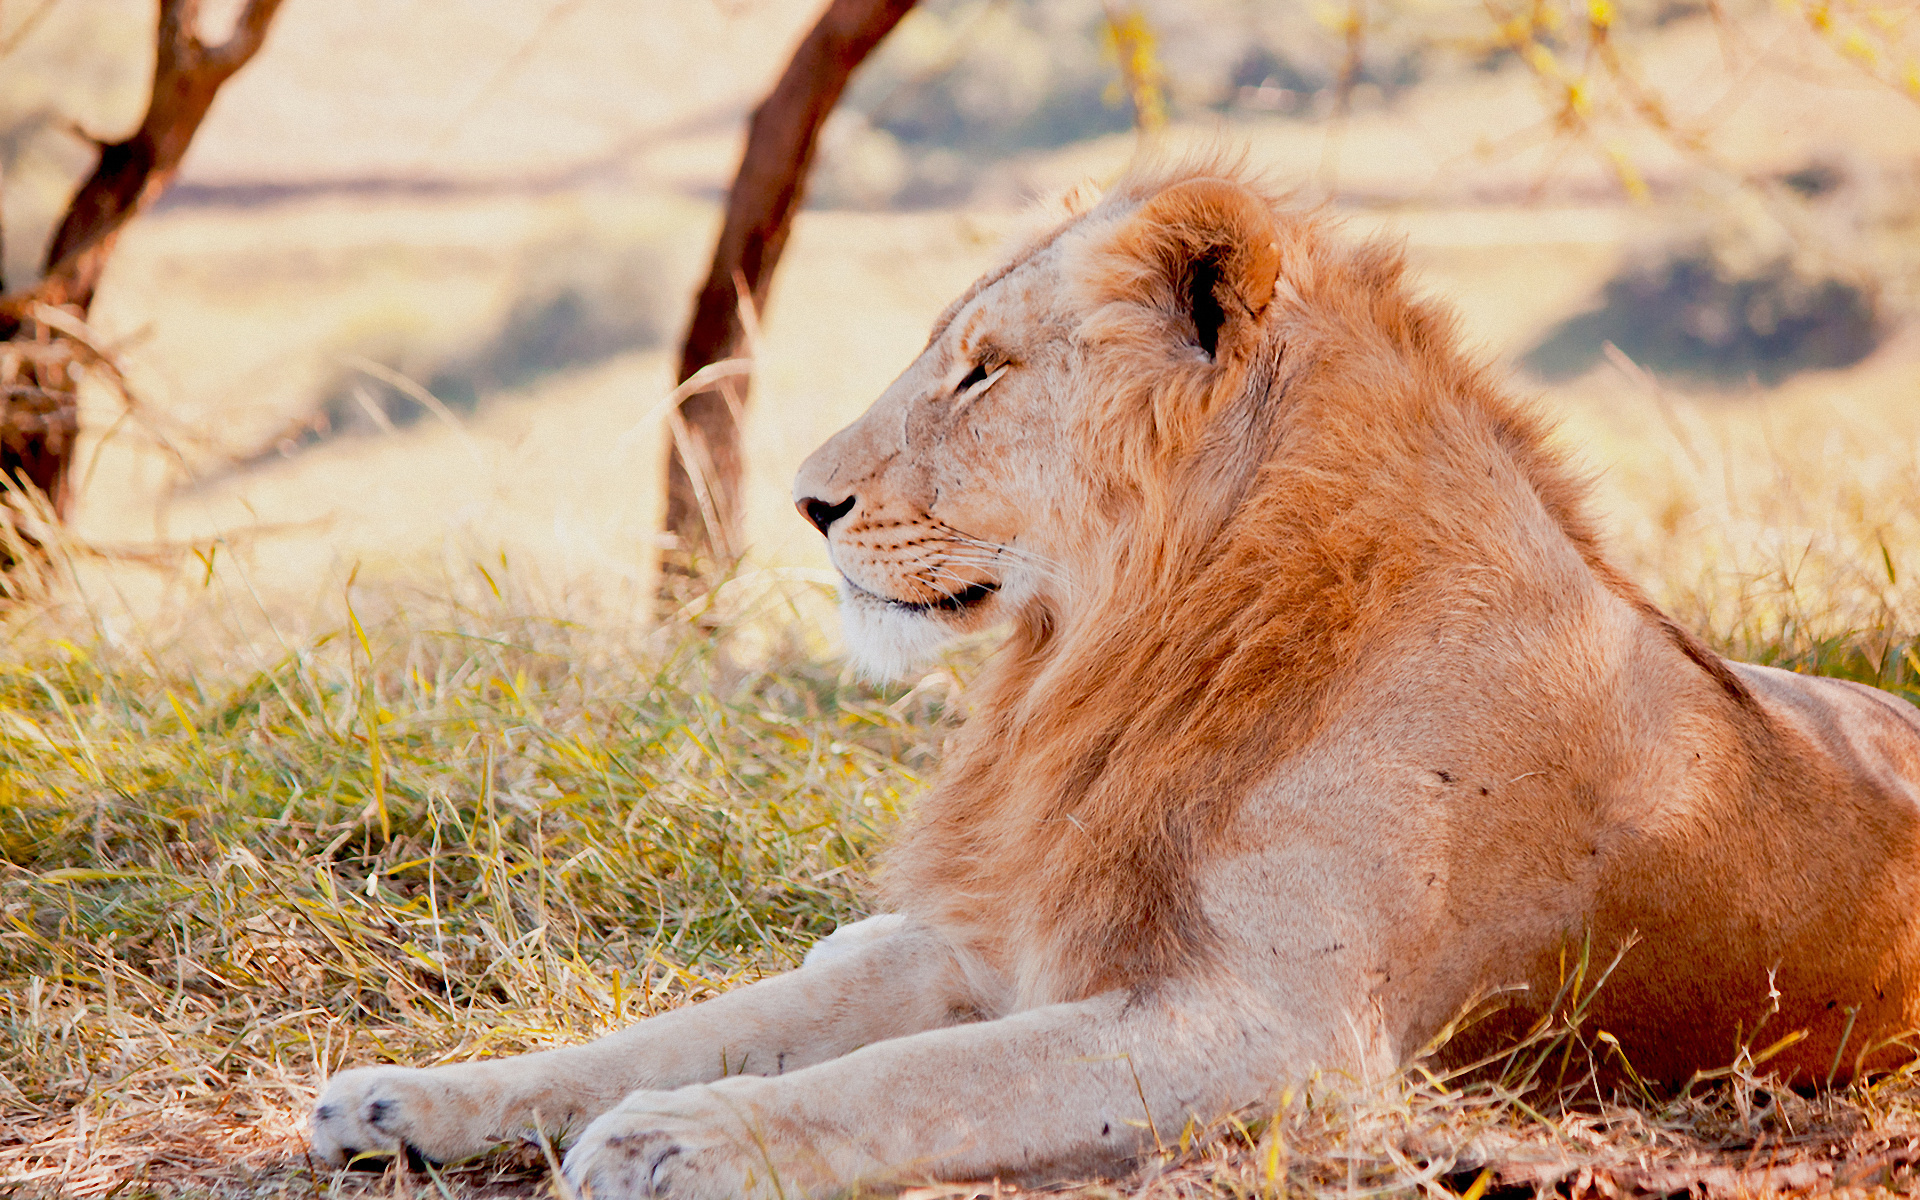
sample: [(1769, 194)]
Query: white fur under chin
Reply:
[(885, 642)]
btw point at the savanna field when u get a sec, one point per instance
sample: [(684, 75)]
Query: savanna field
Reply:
[(337, 731)]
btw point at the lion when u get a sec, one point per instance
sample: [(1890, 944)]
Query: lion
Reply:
[(1319, 715)]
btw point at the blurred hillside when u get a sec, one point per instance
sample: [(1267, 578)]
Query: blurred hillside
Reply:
[(508, 206)]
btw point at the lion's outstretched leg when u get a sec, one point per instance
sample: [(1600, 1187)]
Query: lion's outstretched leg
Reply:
[(1047, 1090), (882, 980)]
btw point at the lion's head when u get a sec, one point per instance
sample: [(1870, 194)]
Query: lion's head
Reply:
[(1005, 472)]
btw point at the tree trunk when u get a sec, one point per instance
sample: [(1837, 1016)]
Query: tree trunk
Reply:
[(704, 461), (39, 410)]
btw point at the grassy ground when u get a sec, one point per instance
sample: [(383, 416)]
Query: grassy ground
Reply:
[(361, 754), (466, 830), (469, 817)]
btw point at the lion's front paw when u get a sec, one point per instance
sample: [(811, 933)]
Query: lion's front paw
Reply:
[(686, 1144), (373, 1113)]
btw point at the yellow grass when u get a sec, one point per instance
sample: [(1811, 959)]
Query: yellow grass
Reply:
[(370, 753), (264, 817)]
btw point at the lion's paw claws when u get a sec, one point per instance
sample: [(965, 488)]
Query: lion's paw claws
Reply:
[(372, 1114), (660, 1144)]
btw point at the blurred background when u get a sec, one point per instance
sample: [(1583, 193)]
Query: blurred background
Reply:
[(1689, 225), (337, 727)]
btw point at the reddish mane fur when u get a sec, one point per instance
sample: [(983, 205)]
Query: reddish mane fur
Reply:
[(1278, 517)]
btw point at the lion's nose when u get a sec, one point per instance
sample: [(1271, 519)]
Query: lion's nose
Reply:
[(822, 514)]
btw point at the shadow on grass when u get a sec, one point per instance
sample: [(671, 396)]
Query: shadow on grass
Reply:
[(575, 309), (1695, 316)]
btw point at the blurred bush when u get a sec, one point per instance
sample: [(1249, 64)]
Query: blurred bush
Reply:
[(1754, 291), (957, 83), (1695, 313)]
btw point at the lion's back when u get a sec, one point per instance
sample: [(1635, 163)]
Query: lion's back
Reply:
[(1869, 735), (1794, 891)]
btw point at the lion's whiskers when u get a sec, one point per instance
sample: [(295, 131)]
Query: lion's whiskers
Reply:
[(1040, 564), (967, 557), (931, 572)]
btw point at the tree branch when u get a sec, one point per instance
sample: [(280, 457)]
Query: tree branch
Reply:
[(131, 174), (39, 405), (766, 193), (249, 31)]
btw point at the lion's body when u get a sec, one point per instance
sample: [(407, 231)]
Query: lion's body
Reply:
[(1321, 717)]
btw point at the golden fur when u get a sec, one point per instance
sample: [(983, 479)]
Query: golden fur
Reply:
[(1098, 768), (1320, 715)]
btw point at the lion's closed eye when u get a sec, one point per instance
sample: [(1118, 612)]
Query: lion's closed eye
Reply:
[(978, 380)]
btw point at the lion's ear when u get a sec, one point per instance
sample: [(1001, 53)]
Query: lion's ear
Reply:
[(1211, 245)]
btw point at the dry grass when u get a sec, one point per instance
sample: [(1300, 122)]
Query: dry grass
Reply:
[(462, 830), (474, 817), (249, 834), (1783, 525)]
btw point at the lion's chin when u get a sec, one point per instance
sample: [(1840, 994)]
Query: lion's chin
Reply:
[(888, 641)]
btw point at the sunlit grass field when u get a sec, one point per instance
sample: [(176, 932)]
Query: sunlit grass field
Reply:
[(484, 803), (479, 815), (370, 748), (474, 828)]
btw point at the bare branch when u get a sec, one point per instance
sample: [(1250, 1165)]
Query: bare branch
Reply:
[(249, 31), (766, 193), (131, 174), (39, 404), (176, 47)]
